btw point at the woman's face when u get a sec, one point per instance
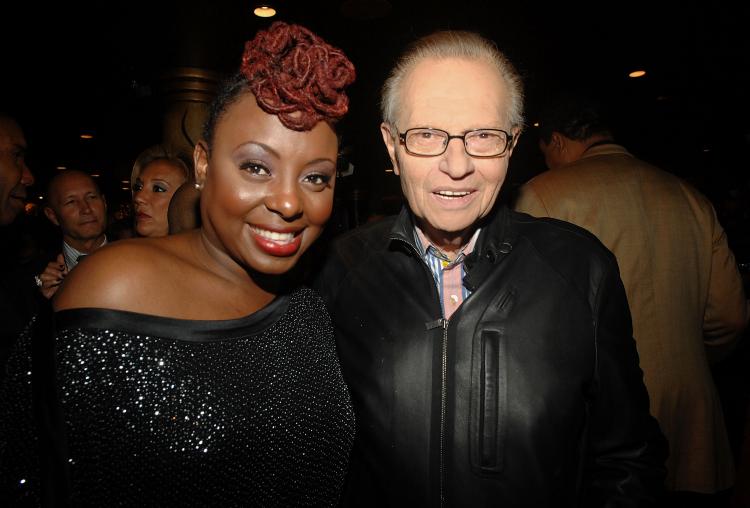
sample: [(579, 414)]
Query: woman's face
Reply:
[(267, 190), (152, 191)]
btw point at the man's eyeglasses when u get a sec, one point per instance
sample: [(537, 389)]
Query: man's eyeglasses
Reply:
[(478, 143)]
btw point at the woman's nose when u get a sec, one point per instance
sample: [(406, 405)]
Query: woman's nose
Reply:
[(284, 199)]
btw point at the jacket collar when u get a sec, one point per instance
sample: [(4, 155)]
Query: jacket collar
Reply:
[(403, 230), (610, 148), (495, 241)]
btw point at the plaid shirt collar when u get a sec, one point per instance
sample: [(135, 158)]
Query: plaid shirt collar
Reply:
[(428, 249)]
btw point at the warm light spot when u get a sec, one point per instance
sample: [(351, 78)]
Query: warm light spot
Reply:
[(124, 181), (264, 11), (536, 124), (40, 197), (96, 175), (389, 170), (62, 168), (87, 136), (637, 74)]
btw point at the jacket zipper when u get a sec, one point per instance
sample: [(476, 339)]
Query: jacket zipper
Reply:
[(443, 323), (443, 397)]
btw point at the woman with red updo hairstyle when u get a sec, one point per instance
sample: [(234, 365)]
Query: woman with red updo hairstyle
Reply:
[(192, 370)]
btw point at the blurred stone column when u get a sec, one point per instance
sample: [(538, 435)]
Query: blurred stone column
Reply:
[(188, 92)]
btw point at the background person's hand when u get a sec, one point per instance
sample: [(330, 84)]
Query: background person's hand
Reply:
[(52, 276)]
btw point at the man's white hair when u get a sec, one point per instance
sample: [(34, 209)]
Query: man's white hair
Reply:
[(452, 44)]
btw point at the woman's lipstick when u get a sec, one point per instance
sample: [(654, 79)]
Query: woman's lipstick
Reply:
[(277, 243)]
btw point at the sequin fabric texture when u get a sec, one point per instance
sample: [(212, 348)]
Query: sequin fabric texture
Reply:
[(247, 412), (20, 484)]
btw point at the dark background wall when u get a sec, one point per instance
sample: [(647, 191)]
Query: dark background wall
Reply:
[(96, 67)]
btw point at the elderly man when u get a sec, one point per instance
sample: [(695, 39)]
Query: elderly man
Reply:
[(683, 286), (75, 204), (489, 354)]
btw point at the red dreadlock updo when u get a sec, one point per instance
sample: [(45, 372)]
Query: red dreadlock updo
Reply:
[(297, 76)]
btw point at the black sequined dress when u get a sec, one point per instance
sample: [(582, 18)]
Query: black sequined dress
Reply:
[(168, 412)]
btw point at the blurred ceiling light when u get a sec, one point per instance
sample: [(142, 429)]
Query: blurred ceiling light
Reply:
[(61, 168), (536, 124), (40, 197), (389, 170), (637, 74), (96, 175), (264, 11), (124, 181), (87, 136)]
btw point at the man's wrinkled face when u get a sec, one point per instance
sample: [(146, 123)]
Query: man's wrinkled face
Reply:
[(450, 193)]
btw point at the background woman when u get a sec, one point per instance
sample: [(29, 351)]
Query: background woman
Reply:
[(191, 370), (156, 175)]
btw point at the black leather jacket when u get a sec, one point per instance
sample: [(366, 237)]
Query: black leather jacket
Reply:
[(531, 395)]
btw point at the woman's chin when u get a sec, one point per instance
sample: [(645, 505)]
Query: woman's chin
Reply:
[(149, 231)]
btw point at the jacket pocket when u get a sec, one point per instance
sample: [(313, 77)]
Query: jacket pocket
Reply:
[(488, 401)]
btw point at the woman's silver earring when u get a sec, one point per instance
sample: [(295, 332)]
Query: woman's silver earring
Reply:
[(198, 186)]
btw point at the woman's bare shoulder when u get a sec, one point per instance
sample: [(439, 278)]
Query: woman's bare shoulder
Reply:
[(125, 275)]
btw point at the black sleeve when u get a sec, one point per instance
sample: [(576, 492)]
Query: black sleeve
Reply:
[(627, 448)]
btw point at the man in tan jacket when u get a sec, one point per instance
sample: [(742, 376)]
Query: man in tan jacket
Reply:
[(683, 286)]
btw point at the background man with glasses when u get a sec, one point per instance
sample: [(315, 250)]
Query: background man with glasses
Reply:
[(489, 354), (684, 289)]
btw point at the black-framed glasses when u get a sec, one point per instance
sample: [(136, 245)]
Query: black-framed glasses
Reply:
[(478, 142)]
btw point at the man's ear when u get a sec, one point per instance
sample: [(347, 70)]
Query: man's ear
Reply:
[(557, 142), (516, 133), (200, 161), (390, 144), (50, 214)]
